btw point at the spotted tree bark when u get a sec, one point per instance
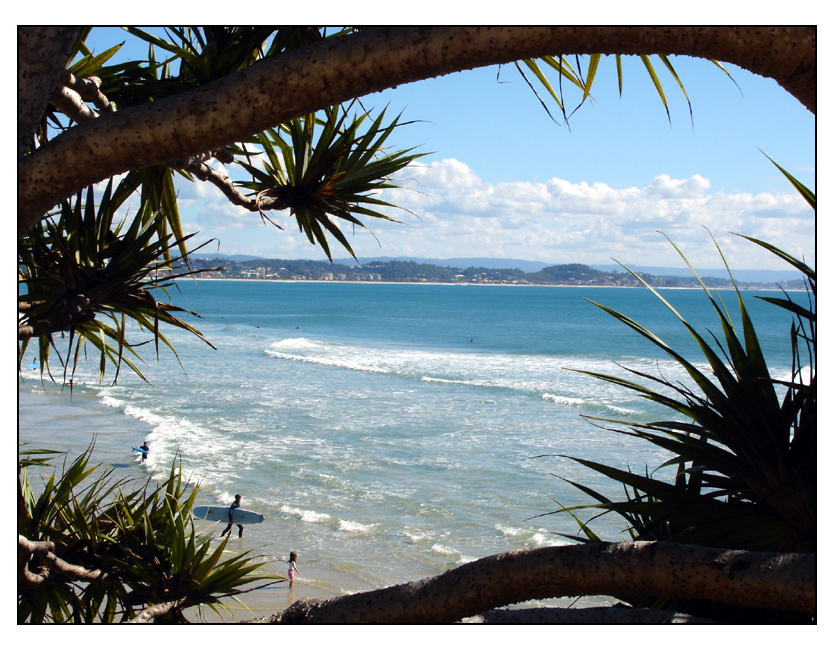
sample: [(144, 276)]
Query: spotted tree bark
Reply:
[(42, 58), (781, 581), (337, 70)]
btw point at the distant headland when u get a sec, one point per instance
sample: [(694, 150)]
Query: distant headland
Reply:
[(483, 271)]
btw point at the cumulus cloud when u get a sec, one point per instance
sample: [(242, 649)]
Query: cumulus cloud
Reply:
[(559, 221), (458, 214), (669, 188)]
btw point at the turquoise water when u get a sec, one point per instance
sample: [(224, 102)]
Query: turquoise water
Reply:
[(387, 432)]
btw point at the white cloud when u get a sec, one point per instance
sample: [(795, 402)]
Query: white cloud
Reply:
[(461, 215), (558, 221), (670, 188)]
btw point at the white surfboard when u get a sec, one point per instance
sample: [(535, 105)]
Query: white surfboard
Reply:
[(221, 514)]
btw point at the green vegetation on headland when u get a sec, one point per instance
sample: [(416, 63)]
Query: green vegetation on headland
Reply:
[(416, 272)]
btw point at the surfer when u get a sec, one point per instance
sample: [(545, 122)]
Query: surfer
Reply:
[(292, 568), (235, 505), (146, 449)]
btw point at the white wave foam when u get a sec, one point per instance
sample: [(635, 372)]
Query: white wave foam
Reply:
[(355, 527), (324, 361), (442, 549), (532, 374), (537, 540), (415, 537), (442, 381), (786, 375), (144, 415), (297, 343), (529, 538), (307, 516), (109, 401), (225, 498), (562, 400), (622, 411)]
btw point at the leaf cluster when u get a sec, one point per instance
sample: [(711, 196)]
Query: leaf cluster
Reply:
[(744, 448), (584, 81), (745, 457), (141, 540), (328, 174), (85, 271)]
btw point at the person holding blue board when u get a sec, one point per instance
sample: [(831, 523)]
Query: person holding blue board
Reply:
[(144, 449), (235, 505)]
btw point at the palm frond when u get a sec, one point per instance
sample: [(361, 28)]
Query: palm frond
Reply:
[(328, 170), (744, 455)]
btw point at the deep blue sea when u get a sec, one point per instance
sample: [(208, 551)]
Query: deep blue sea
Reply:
[(388, 432)]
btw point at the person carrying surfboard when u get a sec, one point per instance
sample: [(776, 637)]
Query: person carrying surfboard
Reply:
[(235, 505)]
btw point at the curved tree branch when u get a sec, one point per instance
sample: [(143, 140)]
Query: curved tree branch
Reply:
[(783, 581), (44, 549), (222, 182), (597, 615), (71, 93), (71, 311), (89, 88), (71, 104), (332, 71), (157, 610)]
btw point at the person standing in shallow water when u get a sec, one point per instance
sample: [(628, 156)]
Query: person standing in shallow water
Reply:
[(235, 505), (293, 570)]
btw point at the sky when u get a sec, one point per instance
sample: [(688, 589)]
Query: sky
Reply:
[(502, 179)]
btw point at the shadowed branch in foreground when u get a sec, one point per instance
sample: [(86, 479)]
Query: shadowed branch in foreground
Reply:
[(759, 579)]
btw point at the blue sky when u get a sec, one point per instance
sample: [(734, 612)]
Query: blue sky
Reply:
[(504, 180)]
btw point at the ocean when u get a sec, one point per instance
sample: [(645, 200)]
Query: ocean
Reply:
[(388, 432)]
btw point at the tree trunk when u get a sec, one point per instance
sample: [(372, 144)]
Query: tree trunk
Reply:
[(338, 70), (781, 581), (42, 56)]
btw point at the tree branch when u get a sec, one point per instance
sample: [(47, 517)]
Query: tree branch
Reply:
[(89, 88), (44, 549), (333, 71), (157, 610), (71, 311), (71, 104), (597, 615), (222, 182), (782, 581)]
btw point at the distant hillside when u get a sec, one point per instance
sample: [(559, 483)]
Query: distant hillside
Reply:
[(567, 272), (533, 267), (410, 271), (526, 266), (223, 256), (741, 275)]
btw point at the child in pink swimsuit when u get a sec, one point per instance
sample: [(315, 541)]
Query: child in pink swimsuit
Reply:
[(292, 569)]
